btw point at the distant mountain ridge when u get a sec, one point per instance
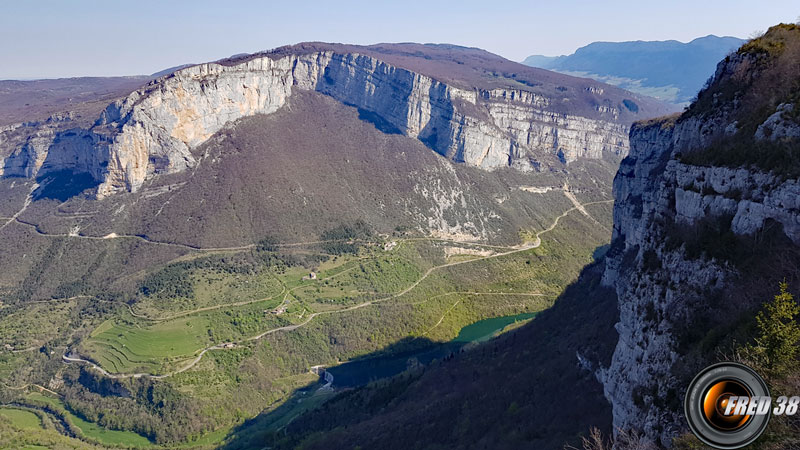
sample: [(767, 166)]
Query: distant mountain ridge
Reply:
[(466, 104), (672, 71)]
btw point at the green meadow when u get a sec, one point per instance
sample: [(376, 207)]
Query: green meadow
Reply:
[(278, 321), (88, 430), (21, 418)]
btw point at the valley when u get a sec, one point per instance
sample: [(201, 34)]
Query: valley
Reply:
[(387, 241), (407, 292), (238, 243)]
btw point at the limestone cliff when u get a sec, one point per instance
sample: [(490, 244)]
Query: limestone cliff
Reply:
[(661, 188), (155, 129)]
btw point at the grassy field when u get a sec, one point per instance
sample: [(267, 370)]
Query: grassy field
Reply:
[(130, 344), (212, 288), (12, 437), (125, 347), (22, 419), (105, 436), (89, 430), (372, 303), (127, 344)]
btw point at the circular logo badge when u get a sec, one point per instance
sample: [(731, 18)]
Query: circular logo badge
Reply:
[(727, 405)]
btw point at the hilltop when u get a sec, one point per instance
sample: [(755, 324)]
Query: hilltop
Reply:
[(669, 70)]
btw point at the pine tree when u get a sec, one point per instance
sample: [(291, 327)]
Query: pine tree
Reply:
[(779, 333)]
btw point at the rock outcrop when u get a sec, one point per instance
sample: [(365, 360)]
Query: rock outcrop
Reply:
[(156, 129), (660, 287), (651, 188), (51, 145)]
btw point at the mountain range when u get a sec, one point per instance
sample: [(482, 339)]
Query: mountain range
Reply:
[(185, 252), (390, 246), (705, 232), (672, 71)]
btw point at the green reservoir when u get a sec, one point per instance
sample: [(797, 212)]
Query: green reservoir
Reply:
[(486, 329), (362, 371)]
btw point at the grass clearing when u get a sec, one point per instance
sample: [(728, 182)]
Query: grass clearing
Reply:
[(90, 430), (212, 288), (233, 385), (129, 345), (109, 437), (22, 419), (125, 347)]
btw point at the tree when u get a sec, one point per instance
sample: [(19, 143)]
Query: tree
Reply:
[(778, 333)]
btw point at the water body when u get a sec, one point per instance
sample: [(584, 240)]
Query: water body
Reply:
[(485, 329), (360, 372)]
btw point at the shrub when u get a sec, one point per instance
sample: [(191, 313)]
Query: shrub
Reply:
[(650, 261), (343, 239), (632, 107), (710, 237), (775, 349)]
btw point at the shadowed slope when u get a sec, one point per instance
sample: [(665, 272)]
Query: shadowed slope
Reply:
[(508, 394)]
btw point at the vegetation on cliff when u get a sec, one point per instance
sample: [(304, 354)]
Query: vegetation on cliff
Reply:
[(747, 89)]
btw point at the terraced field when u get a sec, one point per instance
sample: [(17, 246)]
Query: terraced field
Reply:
[(129, 344), (235, 332), (124, 347), (139, 343)]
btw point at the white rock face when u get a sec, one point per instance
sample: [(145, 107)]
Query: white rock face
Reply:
[(651, 188), (659, 288), (778, 125), (750, 197), (52, 145), (155, 129)]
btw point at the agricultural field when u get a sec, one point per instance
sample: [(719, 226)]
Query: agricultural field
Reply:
[(137, 343), (91, 432), (229, 335), (21, 418)]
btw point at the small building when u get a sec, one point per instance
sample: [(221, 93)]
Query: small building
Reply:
[(279, 310), (312, 276)]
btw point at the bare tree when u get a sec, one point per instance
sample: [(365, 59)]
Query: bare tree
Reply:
[(625, 440), (595, 441)]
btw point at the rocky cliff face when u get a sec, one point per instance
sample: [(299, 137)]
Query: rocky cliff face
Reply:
[(155, 129), (51, 145), (660, 286), (653, 188)]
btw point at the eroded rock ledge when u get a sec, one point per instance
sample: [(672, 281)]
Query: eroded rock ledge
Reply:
[(155, 129)]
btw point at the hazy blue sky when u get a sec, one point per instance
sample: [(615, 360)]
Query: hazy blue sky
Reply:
[(60, 38)]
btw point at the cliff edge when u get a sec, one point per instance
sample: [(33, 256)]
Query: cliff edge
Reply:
[(485, 114), (705, 202)]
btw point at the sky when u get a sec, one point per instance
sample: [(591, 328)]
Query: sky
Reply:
[(67, 38)]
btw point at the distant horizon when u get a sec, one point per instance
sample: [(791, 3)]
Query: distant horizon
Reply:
[(50, 39), (643, 40), (376, 43)]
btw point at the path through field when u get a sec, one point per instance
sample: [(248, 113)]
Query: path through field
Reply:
[(521, 248)]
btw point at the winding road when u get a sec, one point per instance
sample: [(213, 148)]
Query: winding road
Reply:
[(517, 249)]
